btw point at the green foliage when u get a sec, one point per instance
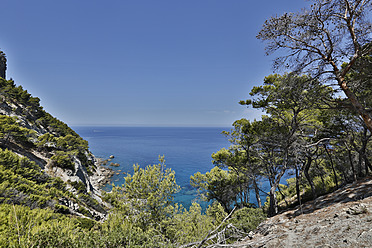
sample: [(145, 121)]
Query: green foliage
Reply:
[(143, 205), (218, 184), (324, 184), (216, 211), (79, 186), (22, 227), (148, 191), (247, 219), (85, 212), (12, 93), (91, 202), (143, 213), (46, 140), (121, 231), (86, 224), (61, 209), (188, 226), (23, 183), (301, 134), (60, 140), (71, 142), (63, 160), (9, 129), (55, 126)]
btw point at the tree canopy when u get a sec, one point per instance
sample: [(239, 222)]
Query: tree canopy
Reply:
[(320, 39)]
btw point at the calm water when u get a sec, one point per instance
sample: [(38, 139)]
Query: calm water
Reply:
[(186, 150)]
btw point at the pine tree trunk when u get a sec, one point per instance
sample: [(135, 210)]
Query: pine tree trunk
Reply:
[(257, 192), (352, 165), (333, 167), (307, 175), (273, 208), (298, 193), (356, 104)]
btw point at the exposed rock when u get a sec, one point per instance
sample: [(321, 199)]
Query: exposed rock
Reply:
[(75, 208), (92, 181), (101, 176), (2, 64), (340, 219)]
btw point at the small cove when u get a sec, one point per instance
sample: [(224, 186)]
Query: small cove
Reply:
[(187, 150)]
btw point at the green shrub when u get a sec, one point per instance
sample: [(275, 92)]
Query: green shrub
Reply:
[(79, 186), (247, 219), (22, 227), (85, 212), (61, 209), (63, 160)]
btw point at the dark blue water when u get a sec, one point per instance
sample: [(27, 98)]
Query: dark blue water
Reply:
[(186, 150)]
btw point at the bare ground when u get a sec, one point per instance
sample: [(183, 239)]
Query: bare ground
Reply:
[(340, 219)]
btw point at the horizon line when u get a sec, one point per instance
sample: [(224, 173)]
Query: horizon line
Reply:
[(145, 125)]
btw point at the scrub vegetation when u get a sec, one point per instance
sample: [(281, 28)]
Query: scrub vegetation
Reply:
[(316, 128)]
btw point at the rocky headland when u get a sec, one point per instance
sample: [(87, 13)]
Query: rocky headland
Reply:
[(59, 152)]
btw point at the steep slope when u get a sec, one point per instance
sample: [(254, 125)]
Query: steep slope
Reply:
[(340, 219), (56, 151)]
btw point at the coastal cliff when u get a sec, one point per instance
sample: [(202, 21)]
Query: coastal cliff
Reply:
[(30, 132)]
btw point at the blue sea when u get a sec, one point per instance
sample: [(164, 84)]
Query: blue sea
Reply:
[(187, 150)]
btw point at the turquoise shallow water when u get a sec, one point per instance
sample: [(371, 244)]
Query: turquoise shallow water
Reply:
[(186, 150)]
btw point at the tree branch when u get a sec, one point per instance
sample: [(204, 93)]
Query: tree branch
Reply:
[(215, 230), (317, 143)]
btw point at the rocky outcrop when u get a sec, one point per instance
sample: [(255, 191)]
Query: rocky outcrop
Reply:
[(78, 210), (23, 115), (340, 219), (2, 64), (101, 176), (84, 168)]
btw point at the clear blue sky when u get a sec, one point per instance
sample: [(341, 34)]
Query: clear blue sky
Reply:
[(139, 62)]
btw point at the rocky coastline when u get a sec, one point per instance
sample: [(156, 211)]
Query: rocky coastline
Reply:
[(102, 175)]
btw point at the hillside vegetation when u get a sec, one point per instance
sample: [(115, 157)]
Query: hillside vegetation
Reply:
[(48, 199), (45, 164), (316, 129)]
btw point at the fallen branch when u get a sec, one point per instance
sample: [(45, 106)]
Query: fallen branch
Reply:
[(210, 235), (215, 230)]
